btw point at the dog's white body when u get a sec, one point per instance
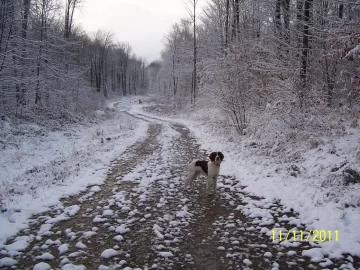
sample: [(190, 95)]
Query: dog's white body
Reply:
[(209, 168)]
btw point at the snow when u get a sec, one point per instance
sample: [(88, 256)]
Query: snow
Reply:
[(108, 253), (268, 254), (118, 238), (76, 254), (52, 164), (261, 175), (165, 254), (20, 243), (89, 234), (6, 261), (95, 189), (68, 212), (291, 253), (64, 261), (157, 229), (71, 266), (159, 235), (99, 219), (326, 263), (42, 266), (63, 248), (183, 213), (80, 245), (315, 254), (122, 229), (247, 262), (99, 113), (314, 193), (51, 242), (108, 213), (46, 256)]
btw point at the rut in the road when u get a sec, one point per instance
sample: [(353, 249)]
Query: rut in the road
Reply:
[(148, 221)]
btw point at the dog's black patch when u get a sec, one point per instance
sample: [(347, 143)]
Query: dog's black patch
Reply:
[(203, 164), (221, 156)]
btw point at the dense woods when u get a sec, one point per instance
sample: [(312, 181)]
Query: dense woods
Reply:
[(50, 67), (290, 60), (257, 61)]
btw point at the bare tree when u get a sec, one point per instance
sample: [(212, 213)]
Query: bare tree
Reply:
[(305, 51), (192, 8), (236, 19), (70, 7), (301, 43), (49, 64), (227, 25)]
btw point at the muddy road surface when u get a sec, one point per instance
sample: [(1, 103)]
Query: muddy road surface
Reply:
[(142, 218)]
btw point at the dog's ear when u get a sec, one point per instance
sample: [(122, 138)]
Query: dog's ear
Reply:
[(221, 155), (212, 156)]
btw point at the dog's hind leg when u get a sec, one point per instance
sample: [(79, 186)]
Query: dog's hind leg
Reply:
[(193, 178), (187, 182), (190, 179)]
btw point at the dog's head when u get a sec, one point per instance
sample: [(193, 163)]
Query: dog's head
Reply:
[(216, 157)]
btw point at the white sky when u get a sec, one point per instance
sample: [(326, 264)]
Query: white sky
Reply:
[(142, 23)]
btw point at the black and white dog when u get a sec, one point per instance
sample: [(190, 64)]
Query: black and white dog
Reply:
[(209, 168)]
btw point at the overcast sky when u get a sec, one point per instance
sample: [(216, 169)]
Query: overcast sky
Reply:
[(142, 23)]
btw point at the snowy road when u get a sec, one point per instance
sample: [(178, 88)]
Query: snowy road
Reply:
[(142, 218)]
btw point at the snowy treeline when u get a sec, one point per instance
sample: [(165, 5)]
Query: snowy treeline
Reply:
[(49, 66), (278, 62)]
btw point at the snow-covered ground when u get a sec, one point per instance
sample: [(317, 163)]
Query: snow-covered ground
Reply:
[(307, 185), (76, 158), (38, 166)]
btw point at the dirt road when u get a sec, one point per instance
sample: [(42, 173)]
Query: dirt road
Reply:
[(141, 218)]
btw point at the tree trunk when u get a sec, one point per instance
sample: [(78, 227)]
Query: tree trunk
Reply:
[(24, 27), (286, 12), (195, 52), (69, 14), (37, 91), (236, 20), (341, 10), (173, 68), (305, 51), (227, 26), (299, 25), (278, 18)]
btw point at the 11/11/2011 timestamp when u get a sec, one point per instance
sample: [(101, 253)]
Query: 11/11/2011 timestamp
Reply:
[(312, 235)]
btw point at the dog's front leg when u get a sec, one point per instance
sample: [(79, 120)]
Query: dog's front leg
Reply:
[(214, 184)]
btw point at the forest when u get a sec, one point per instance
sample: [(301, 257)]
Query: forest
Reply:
[(294, 61), (51, 69), (291, 63)]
